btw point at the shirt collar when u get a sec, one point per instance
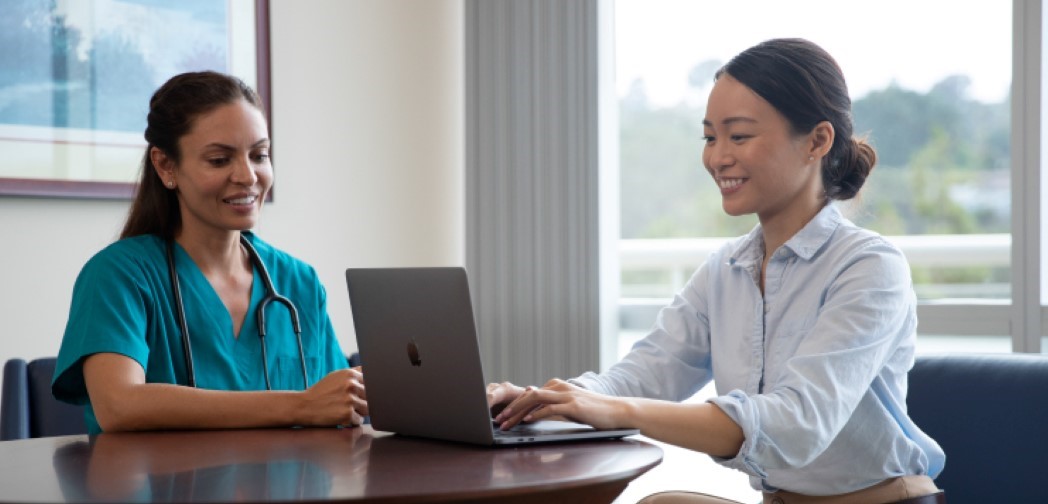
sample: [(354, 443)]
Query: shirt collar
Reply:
[(816, 233), (804, 244)]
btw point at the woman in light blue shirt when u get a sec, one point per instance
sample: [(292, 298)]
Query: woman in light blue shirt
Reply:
[(126, 356), (806, 325)]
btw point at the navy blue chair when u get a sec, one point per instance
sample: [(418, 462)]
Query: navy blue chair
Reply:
[(989, 412), (27, 408)]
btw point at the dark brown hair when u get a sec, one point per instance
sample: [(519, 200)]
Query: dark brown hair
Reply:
[(805, 84), (172, 110)]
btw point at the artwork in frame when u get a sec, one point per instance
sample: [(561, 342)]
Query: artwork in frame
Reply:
[(76, 77)]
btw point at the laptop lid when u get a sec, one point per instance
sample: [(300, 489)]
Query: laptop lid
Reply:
[(418, 342)]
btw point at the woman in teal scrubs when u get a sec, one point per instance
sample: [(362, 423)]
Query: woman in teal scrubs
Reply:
[(206, 173)]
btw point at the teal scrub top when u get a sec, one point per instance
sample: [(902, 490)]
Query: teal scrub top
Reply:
[(123, 303)]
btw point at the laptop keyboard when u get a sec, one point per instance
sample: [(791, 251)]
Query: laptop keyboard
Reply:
[(516, 431)]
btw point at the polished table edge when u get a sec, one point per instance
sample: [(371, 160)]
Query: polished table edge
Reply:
[(338, 446)]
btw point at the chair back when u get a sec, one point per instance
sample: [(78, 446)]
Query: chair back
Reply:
[(27, 408), (989, 412)]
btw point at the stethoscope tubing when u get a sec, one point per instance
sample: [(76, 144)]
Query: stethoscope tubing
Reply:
[(260, 313), (180, 315)]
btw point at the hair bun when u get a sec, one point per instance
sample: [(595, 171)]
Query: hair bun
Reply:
[(846, 174)]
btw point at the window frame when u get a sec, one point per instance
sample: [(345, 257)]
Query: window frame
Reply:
[(1023, 318)]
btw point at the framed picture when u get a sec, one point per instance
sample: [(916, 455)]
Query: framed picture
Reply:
[(76, 78)]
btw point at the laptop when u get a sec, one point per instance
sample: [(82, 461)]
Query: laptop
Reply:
[(418, 342)]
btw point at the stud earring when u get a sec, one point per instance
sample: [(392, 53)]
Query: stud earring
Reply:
[(811, 158), (171, 184)]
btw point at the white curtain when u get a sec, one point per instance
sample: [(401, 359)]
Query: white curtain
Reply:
[(532, 215)]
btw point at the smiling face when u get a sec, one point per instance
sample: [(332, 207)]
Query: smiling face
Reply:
[(760, 165), (224, 172)]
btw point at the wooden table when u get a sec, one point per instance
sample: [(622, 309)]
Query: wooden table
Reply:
[(312, 465)]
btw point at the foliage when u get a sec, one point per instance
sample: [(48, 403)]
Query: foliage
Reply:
[(943, 165)]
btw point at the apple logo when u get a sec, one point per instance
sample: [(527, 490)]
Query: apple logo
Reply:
[(413, 354)]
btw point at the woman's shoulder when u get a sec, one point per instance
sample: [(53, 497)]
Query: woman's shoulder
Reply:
[(857, 238), (854, 246), (128, 263), (129, 250)]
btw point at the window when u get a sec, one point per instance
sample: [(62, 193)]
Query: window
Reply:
[(937, 107)]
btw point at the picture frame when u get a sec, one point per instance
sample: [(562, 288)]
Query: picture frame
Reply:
[(79, 134)]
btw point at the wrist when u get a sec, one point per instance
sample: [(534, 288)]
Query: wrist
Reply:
[(630, 411), (298, 410)]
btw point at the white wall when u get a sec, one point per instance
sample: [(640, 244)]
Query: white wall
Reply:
[(368, 135)]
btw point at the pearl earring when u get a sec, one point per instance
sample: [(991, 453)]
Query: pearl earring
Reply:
[(811, 158), (171, 183)]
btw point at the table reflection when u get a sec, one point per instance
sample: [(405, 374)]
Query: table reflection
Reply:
[(406, 466), (216, 466), (314, 465)]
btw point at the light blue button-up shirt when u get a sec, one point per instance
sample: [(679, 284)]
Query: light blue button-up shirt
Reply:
[(814, 370)]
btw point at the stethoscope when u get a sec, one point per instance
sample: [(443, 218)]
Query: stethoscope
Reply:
[(260, 313)]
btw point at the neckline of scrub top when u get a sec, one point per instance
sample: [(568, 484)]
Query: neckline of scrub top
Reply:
[(185, 264), (241, 354)]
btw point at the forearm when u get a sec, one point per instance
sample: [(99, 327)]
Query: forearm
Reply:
[(152, 406), (122, 400), (702, 427), (697, 426)]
